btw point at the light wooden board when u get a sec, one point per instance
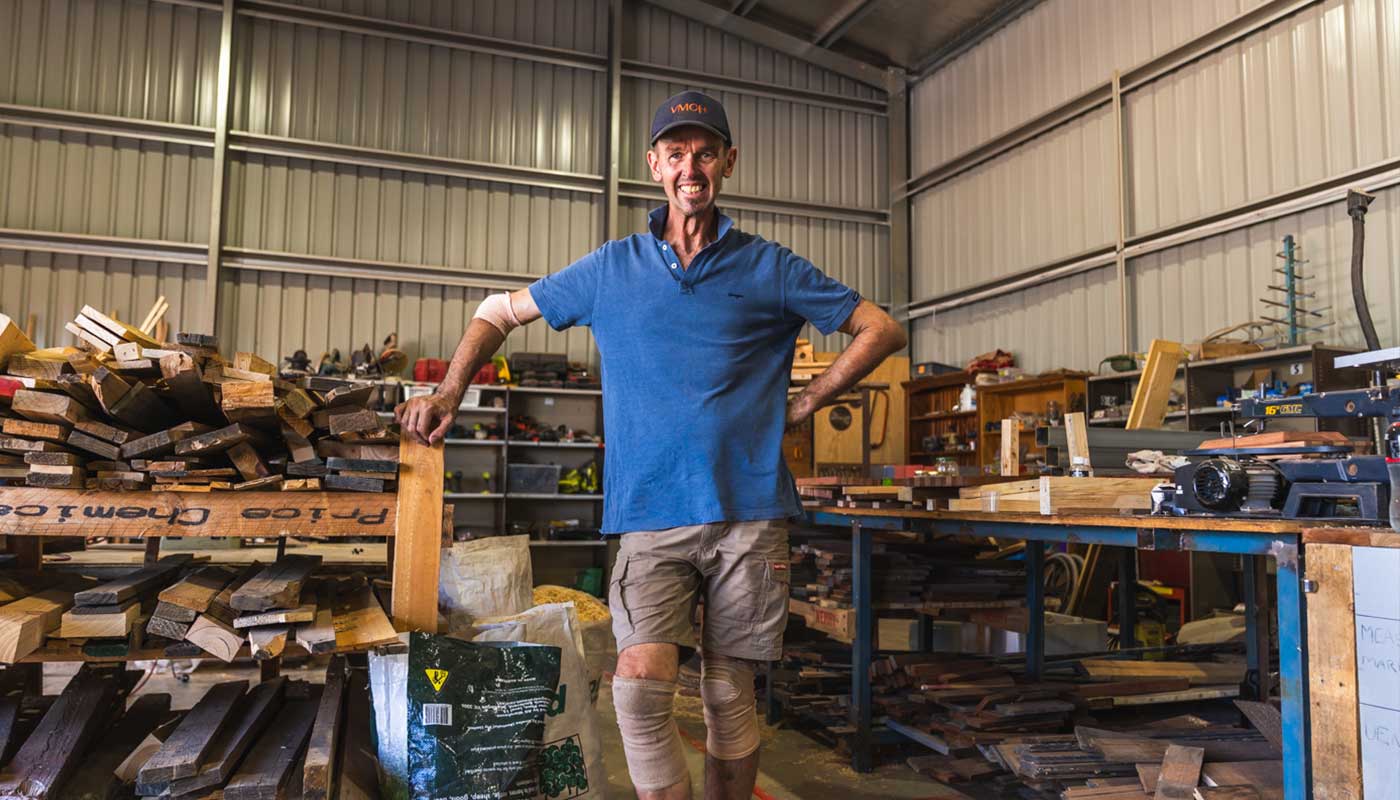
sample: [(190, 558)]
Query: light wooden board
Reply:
[(46, 512), (1181, 771), (198, 589), (1332, 684), (1197, 672), (360, 621), (418, 544), (99, 626), (1149, 408), (1243, 773), (24, 623), (218, 639), (1010, 447)]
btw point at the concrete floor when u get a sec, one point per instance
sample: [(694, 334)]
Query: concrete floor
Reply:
[(792, 766)]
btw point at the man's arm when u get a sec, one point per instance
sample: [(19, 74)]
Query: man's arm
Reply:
[(876, 334), (429, 417)]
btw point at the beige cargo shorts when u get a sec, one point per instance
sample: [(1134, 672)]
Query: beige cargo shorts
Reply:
[(739, 568)]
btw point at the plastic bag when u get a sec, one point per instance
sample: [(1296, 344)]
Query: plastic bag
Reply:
[(457, 720), (572, 762), (488, 577)]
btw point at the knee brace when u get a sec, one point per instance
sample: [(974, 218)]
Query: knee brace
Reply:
[(731, 720), (655, 759)]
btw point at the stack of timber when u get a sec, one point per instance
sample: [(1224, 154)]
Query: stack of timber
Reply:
[(123, 411), (1090, 719), (1058, 495), (914, 577), (180, 607), (904, 487)]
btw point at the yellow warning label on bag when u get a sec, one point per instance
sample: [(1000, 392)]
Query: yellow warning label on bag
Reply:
[(438, 677)]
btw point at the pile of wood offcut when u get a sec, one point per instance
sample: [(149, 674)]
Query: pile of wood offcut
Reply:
[(127, 412), (279, 738), (181, 607)]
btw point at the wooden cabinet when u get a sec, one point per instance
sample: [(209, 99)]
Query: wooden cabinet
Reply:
[(1046, 399), (937, 425)]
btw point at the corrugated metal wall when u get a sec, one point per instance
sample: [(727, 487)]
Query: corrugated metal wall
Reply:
[(1307, 98), (325, 237)]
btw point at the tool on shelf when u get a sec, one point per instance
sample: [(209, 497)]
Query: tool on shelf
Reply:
[(1292, 292)]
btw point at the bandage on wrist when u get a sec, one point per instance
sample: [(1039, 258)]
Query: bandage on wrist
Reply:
[(496, 310)]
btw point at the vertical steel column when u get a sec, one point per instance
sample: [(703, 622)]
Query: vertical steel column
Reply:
[(1256, 626), (612, 160), (1121, 187), (901, 269), (216, 189), (1035, 610), (1292, 672), (1127, 598), (863, 648)]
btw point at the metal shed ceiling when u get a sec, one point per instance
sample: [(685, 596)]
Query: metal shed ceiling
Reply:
[(909, 34)]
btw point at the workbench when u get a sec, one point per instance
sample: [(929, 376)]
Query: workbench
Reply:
[(1254, 540)]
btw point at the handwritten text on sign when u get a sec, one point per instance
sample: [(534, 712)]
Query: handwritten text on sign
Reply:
[(44, 512)]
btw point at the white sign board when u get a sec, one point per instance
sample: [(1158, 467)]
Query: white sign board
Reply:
[(1375, 571)]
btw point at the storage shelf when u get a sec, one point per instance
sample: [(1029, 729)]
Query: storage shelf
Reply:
[(560, 445), (547, 390), (472, 495), (523, 496), (479, 410), (474, 442), (1201, 412)]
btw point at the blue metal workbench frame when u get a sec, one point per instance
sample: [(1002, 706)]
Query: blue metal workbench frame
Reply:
[(1128, 535)]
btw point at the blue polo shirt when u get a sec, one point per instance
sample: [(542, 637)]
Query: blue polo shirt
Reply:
[(695, 367)]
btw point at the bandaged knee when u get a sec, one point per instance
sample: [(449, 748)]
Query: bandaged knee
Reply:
[(496, 309), (731, 720), (645, 715)]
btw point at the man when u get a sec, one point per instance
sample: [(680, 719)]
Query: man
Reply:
[(695, 323)]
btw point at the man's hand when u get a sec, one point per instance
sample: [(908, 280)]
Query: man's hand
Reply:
[(799, 410), (426, 418)]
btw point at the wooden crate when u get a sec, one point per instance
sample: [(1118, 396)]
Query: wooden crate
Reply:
[(838, 623), (1353, 623)]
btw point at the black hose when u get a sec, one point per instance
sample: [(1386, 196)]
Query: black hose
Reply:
[(1356, 209)]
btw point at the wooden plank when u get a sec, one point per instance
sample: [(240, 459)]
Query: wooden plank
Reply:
[(35, 430), (1011, 446), (1149, 409), (1077, 438), (391, 468), (250, 719), (1332, 682), (1359, 537), (1148, 774), (1058, 494), (346, 483), (52, 753), (181, 754), (216, 637), (161, 442), (306, 612), (1226, 793), (322, 748), (140, 408), (138, 582), (360, 621), (25, 622), (356, 778), (118, 327), (12, 340), (158, 513), (106, 431), (168, 628), (87, 338), (268, 642), (219, 441), (1198, 672), (318, 635), (247, 461), (252, 363), (357, 420), (97, 779), (171, 611), (269, 483), (278, 585), (418, 540), (1277, 439), (1265, 719), (99, 626), (267, 770), (198, 589), (1261, 774), (47, 407), (1181, 696)]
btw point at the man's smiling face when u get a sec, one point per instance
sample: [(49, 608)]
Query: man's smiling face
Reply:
[(691, 164)]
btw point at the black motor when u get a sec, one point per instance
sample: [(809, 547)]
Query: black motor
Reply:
[(1226, 485)]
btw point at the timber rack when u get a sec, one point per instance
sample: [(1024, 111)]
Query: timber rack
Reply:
[(413, 517)]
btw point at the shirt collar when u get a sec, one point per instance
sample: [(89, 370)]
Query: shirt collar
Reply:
[(656, 222)]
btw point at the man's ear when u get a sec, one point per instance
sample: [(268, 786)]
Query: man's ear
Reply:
[(731, 154), (652, 161)]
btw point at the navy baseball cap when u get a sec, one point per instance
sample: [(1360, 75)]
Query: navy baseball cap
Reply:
[(691, 108)]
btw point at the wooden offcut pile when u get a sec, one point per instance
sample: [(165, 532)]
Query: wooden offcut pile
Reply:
[(125, 411), (279, 738), (180, 607)]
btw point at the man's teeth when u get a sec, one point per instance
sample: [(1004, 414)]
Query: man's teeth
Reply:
[(692, 189)]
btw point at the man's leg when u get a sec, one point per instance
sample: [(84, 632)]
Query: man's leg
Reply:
[(644, 692), (746, 606), (731, 721), (654, 589)]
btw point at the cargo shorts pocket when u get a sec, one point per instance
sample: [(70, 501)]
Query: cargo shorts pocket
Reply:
[(773, 608)]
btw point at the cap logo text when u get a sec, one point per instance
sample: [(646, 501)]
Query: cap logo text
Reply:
[(694, 108)]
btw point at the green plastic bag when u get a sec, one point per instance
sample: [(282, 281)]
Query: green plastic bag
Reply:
[(457, 720)]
